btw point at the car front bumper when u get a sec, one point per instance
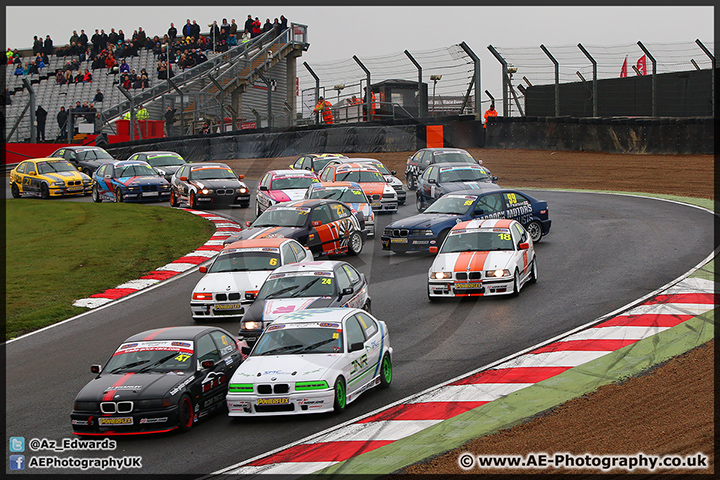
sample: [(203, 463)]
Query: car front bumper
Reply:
[(68, 191), (408, 244), (151, 421), (296, 403), (213, 199), (211, 310), (450, 288), (155, 196)]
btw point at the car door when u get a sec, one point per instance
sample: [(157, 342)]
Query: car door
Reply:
[(357, 360), (323, 238), (177, 184), (21, 176), (261, 196), (489, 205), (213, 381), (359, 296), (430, 188), (31, 182), (517, 207), (520, 235), (345, 223)]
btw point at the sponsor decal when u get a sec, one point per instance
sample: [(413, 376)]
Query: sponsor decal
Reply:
[(181, 386), (115, 421), (154, 420), (123, 387), (80, 422), (181, 344), (273, 401)]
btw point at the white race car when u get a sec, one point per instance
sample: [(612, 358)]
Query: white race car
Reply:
[(312, 361), (240, 268), (482, 258)]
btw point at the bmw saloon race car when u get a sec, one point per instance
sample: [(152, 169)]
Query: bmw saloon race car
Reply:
[(204, 185), (388, 175), (312, 361), (129, 181), (86, 159), (304, 285), (442, 178), (423, 158), (483, 258), (157, 381), (278, 186), (166, 163), (351, 194), (428, 229), (47, 177), (241, 268), (382, 196)]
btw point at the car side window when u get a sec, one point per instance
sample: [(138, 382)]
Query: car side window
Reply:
[(182, 172), (225, 344), (426, 159), (321, 214), (70, 155), (512, 198), (100, 172), (354, 332), (21, 168), (342, 279), (288, 254), (299, 250), (339, 211), (352, 274), (491, 203), (206, 349), (265, 182), (433, 175), (520, 233), (367, 324)]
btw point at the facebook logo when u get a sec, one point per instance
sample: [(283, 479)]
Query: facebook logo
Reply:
[(17, 444), (17, 462)]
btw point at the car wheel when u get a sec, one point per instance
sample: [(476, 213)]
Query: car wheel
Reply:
[(419, 203), (368, 307), (192, 201), (118, 196), (340, 395), (15, 190), (173, 200), (441, 238), (44, 191), (533, 272), (87, 172), (185, 414), (355, 244), (411, 182), (516, 284), (96, 195), (535, 230), (385, 371)]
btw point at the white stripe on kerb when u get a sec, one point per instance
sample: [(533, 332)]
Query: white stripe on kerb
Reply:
[(565, 358), (298, 468), (389, 430), (478, 392)]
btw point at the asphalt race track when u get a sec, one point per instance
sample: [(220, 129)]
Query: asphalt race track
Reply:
[(603, 252)]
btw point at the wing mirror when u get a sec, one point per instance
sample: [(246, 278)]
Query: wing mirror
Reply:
[(245, 350), (32, 172), (433, 250), (479, 211), (208, 363), (96, 368), (202, 269), (394, 172), (354, 347), (248, 223), (347, 291), (249, 296), (316, 223), (432, 180), (524, 246), (241, 176), (263, 188), (494, 178), (183, 179)]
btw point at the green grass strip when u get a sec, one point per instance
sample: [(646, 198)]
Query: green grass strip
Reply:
[(58, 252)]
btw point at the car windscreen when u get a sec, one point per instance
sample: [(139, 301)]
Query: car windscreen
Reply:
[(304, 284), (483, 241), (52, 167), (282, 340), (209, 173), (245, 261), (361, 176), (319, 163), (383, 169), (151, 356), (93, 154), (462, 175), (282, 217), (348, 195), (285, 183), (165, 161), (451, 205), (134, 171), (453, 157)]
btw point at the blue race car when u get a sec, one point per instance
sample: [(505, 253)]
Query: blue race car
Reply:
[(129, 181), (442, 178), (429, 229)]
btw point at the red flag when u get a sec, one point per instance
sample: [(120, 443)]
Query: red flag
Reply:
[(623, 70), (642, 65)]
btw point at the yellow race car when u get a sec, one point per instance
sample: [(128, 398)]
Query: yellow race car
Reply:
[(48, 177)]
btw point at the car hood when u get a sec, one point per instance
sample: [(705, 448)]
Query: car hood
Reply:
[(392, 179), (64, 176), (472, 261), (94, 163), (426, 220), (135, 386), (365, 208), (374, 188), (474, 185), (285, 368), (232, 282), (168, 169), (142, 180), (287, 195), (276, 307), (218, 183), (267, 232)]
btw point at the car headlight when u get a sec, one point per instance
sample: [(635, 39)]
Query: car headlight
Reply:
[(497, 273), (134, 189), (206, 191), (440, 275), (147, 404), (243, 190), (252, 325), (87, 181), (57, 184), (165, 187), (388, 231), (423, 232), (317, 385), (202, 296), (240, 388), (86, 406)]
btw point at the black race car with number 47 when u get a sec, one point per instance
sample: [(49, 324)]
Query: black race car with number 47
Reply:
[(157, 381)]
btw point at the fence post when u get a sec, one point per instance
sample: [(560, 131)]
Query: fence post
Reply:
[(31, 91), (368, 94), (503, 62), (476, 63), (712, 86), (594, 88), (422, 101), (654, 77), (557, 79), (317, 89)]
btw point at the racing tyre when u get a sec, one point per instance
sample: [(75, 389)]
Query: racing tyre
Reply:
[(340, 395), (368, 307), (15, 190), (44, 191), (533, 272), (192, 201), (516, 285), (185, 414), (355, 244), (87, 172), (385, 371), (118, 196), (173, 200), (96, 195), (411, 182), (419, 203), (535, 230)]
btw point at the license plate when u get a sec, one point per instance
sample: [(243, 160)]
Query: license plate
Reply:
[(232, 306), (273, 401), (398, 240), (115, 421), (150, 194), (74, 189), (459, 286), (375, 205)]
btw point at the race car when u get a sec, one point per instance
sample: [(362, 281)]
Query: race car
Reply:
[(304, 285), (278, 186), (47, 177), (314, 161), (351, 194), (157, 381), (483, 258), (85, 159), (240, 268), (166, 163), (204, 185), (129, 181), (423, 158), (428, 229), (382, 196), (326, 227), (389, 176), (312, 361), (441, 178)]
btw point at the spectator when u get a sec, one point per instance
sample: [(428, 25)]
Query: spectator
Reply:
[(283, 23), (162, 70), (87, 55), (121, 36), (95, 39), (215, 33), (125, 81), (326, 108), (267, 26), (62, 118), (87, 77), (233, 28), (142, 113), (45, 58), (172, 32), (223, 47), (103, 39), (256, 28), (142, 36), (276, 28), (68, 77), (40, 116), (32, 69), (205, 129), (490, 112), (124, 67), (7, 100), (157, 46), (249, 24), (187, 29), (59, 77), (110, 61), (169, 120), (195, 30), (137, 84), (79, 77), (232, 41), (83, 40), (75, 65), (98, 96), (133, 75), (245, 37), (90, 116), (20, 70), (73, 50), (48, 45), (37, 45), (39, 62), (224, 29), (112, 37)]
